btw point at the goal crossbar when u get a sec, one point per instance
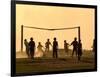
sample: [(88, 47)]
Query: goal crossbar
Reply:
[(49, 28)]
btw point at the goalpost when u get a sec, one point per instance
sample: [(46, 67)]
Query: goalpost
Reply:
[(22, 26)]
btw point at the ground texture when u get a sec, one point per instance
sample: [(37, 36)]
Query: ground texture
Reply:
[(49, 64)]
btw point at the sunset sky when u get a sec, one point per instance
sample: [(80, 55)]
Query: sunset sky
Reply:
[(54, 17)]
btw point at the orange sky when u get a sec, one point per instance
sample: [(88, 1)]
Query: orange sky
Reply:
[(54, 17)]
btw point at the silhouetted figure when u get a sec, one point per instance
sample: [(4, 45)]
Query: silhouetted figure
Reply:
[(94, 45), (27, 47), (47, 44), (55, 48), (79, 50), (66, 46), (39, 47), (75, 46), (32, 48)]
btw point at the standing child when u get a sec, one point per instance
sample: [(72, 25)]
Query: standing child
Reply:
[(39, 48), (27, 47), (66, 46), (55, 48), (32, 48), (75, 47), (79, 50)]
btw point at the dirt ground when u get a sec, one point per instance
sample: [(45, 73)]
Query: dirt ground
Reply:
[(49, 64)]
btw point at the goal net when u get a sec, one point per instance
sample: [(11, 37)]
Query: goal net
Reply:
[(41, 35)]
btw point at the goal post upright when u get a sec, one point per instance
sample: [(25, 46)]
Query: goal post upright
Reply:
[(21, 38), (79, 35)]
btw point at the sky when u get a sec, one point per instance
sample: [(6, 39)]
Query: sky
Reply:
[(54, 17)]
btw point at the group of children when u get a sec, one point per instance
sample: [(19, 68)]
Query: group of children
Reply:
[(30, 47)]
